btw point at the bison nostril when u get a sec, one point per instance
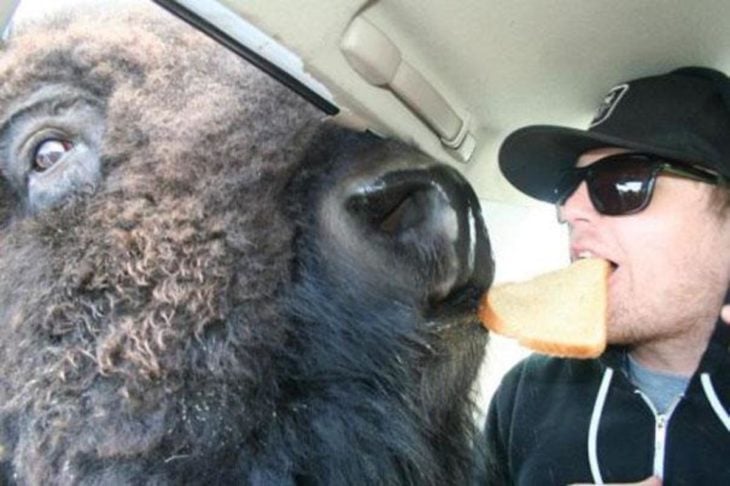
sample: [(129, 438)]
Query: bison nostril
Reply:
[(406, 215), (391, 204), (425, 218)]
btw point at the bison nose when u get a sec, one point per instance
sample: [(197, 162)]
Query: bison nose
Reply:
[(430, 220)]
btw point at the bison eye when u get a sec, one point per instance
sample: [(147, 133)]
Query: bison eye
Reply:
[(48, 152)]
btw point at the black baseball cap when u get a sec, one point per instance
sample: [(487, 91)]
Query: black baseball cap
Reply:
[(682, 115)]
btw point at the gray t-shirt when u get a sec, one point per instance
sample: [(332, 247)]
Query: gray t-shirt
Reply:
[(661, 388)]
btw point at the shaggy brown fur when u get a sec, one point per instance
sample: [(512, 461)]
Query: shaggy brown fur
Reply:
[(189, 316)]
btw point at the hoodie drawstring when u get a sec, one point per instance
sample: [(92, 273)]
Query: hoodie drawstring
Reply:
[(707, 386), (714, 400), (593, 429)]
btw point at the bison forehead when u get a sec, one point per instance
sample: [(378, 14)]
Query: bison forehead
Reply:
[(186, 223)]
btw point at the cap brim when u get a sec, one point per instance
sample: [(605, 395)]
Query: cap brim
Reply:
[(533, 158)]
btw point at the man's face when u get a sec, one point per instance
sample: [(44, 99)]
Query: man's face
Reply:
[(672, 260)]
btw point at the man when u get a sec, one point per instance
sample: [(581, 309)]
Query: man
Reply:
[(646, 188)]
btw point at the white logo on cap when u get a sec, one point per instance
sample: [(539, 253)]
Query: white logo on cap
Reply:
[(609, 103)]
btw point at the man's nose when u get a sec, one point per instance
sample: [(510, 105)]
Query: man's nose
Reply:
[(577, 207)]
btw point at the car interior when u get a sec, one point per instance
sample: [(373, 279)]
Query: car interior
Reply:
[(454, 78)]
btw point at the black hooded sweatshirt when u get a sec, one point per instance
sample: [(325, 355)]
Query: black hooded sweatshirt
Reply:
[(560, 421)]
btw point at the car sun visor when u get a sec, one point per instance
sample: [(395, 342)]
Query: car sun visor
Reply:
[(252, 44), (371, 54)]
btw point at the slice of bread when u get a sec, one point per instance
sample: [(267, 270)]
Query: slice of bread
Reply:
[(561, 313)]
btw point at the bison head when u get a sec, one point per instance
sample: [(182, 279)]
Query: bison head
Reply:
[(204, 282)]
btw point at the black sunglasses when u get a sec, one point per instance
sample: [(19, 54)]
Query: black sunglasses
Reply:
[(624, 183)]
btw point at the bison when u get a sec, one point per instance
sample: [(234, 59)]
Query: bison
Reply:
[(205, 282)]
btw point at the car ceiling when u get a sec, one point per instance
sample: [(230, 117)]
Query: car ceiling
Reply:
[(493, 65)]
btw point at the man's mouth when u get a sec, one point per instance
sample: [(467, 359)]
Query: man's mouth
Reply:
[(589, 254)]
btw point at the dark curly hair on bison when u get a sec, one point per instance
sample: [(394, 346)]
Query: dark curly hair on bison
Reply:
[(204, 282)]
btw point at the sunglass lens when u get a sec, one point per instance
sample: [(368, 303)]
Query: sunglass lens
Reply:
[(569, 182), (620, 186)]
